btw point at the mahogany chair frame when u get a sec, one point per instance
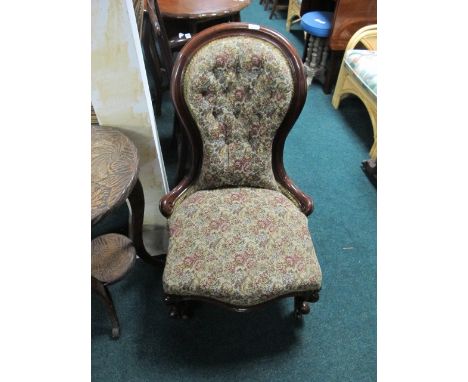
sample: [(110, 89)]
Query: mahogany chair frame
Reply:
[(178, 303)]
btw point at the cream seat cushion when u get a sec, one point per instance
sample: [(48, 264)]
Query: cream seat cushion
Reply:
[(363, 63), (241, 246)]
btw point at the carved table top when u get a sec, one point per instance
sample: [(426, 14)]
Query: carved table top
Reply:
[(114, 170), (190, 9)]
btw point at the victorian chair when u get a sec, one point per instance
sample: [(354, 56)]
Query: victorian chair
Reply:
[(238, 225), (358, 76)]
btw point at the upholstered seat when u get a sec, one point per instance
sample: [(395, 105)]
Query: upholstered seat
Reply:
[(241, 246)]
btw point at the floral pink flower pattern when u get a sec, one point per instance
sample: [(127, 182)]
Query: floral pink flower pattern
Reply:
[(238, 90), (241, 246)]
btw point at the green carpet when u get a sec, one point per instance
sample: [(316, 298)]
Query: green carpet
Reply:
[(335, 342)]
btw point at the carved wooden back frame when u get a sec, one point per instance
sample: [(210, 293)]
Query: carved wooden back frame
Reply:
[(191, 129)]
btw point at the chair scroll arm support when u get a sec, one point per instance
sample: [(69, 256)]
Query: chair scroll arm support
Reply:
[(168, 201), (305, 202)]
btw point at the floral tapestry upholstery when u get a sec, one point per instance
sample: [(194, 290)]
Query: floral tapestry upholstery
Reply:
[(241, 246), (238, 90)]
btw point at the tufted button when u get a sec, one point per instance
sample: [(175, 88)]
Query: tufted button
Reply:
[(216, 111), (224, 131), (256, 61), (220, 60), (280, 96), (239, 94)]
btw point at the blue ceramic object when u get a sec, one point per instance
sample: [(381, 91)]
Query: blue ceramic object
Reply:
[(317, 23)]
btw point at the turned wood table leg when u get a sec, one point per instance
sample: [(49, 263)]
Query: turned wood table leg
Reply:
[(101, 290), (137, 206)]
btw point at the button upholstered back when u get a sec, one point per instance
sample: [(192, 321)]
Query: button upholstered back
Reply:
[(238, 90)]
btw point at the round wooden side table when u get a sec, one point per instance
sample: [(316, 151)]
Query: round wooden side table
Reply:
[(114, 180), (112, 256)]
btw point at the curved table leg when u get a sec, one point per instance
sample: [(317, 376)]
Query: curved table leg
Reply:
[(100, 289), (137, 206)]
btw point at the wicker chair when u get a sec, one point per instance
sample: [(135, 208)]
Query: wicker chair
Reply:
[(358, 75), (294, 13), (237, 223)]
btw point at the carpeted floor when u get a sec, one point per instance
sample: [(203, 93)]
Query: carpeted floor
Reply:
[(335, 342)]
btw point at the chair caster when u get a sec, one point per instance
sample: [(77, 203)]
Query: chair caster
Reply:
[(178, 312), (177, 309), (174, 312), (301, 307)]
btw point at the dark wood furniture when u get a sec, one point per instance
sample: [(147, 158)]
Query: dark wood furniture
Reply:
[(159, 49), (266, 4), (278, 5), (201, 9), (200, 14), (178, 304), (349, 16)]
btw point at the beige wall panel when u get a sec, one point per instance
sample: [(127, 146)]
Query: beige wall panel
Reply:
[(121, 98)]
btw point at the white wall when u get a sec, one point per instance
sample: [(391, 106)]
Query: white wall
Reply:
[(121, 98)]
